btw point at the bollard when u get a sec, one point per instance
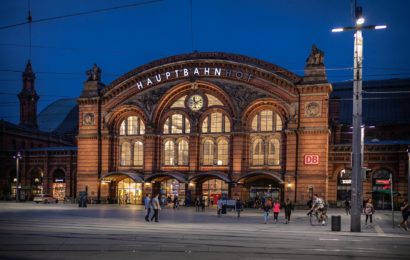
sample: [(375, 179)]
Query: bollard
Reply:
[(336, 223)]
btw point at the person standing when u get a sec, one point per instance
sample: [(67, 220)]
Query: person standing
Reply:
[(238, 207), (266, 208), (276, 210), (369, 210), (197, 204), (405, 212), (176, 202), (288, 206), (147, 204), (156, 207), (347, 207)]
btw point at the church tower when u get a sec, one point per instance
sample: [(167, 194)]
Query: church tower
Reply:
[(28, 99)]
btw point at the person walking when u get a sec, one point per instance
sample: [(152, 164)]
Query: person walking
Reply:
[(238, 207), (405, 212), (369, 210), (197, 204), (347, 207), (147, 204), (276, 210), (288, 206), (266, 208), (156, 207), (176, 202)]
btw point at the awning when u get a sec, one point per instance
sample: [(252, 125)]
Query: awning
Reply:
[(274, 175), (117, 176)]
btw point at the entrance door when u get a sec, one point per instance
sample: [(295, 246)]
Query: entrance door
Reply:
[(129, 192)]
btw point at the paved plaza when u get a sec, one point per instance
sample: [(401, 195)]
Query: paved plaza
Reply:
[(64, 231)]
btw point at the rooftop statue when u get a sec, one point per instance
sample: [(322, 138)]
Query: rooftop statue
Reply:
[(316, 57), (94, 74)]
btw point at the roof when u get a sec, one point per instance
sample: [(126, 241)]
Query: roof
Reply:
[(60, 117), (60, 148), (388, 104)]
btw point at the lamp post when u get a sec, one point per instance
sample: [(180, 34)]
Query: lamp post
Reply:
[(357, 186), (408, 174), (18, 157)]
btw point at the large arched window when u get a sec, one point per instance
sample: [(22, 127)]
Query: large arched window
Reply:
[(125, 154), (216, 122), (169, 153), (182, 152), (266, 127), (208, 152), (177, 124), (132, 125)]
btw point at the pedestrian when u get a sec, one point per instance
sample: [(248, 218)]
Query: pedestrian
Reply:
[(266, 208), (147, 204), (347, 207), (238, 207), (219, 206), (202, 202), (169, 201), (276, 210), (176, 202), (156, 207), (197, 203), (288, 206), (369, 210), (405, 212)]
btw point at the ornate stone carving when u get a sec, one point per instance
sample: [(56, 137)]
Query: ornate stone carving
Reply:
[(313, 109), (149, 99), (88, 119)]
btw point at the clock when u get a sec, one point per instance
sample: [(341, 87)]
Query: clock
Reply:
[(195, 102)]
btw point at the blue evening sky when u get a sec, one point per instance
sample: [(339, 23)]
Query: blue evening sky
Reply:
[(277, 31)]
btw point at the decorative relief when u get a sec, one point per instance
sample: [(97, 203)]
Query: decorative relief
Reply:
[(88, 119), (149, 99), (313, 109)]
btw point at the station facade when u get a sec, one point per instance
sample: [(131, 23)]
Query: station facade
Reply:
[(205, 124)]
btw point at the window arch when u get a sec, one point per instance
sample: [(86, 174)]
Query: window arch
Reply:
[(169, 153), (223, 152), (132, 125), (273, 151), (176, 152), (182, 152), (208, 152), (125, 154), (258, 155), (177, 124), (266, 121), (216, 122), (138, 153)]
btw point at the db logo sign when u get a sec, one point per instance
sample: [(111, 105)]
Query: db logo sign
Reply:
[(311, 159)]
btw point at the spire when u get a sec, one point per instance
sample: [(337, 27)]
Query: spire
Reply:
[(28, 98)]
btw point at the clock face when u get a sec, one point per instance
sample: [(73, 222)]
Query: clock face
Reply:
[(195, 102)]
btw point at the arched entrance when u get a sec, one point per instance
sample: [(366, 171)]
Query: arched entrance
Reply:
[(59, 185), (259, 186), (36, 181), (123, 188), (169, 186), (210, 187)]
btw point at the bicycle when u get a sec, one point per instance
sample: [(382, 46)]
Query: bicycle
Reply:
[(317, 217)]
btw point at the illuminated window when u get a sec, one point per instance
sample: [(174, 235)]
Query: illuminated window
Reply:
[(169, 153), (182, 152), (208, 152), (132, 125), (222, 152), (266, 121), (125, 154), (216, 123), (180, 103), (257, 152), (213, 101), (138, 153), (176, 124), (273, 152)]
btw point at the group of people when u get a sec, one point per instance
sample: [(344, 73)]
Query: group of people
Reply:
[(275, 207), (152, 204)]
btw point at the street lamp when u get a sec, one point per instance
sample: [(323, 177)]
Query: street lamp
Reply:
[(18, 157), (357, 186)]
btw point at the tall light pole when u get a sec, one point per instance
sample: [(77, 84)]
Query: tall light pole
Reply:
[(357, 157), (18, 157)]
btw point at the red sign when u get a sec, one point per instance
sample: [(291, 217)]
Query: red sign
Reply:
[(383, 182), (311, 159)]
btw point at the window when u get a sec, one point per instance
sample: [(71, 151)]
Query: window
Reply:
[(257, 152), (179, 103), (213, 101), (216, 123), (266, 121), (132, 125), (208, 152), (273, 152), (183, 152), (222, 152), (169, 153), (138, 153), (177, 124), (125, 154)]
